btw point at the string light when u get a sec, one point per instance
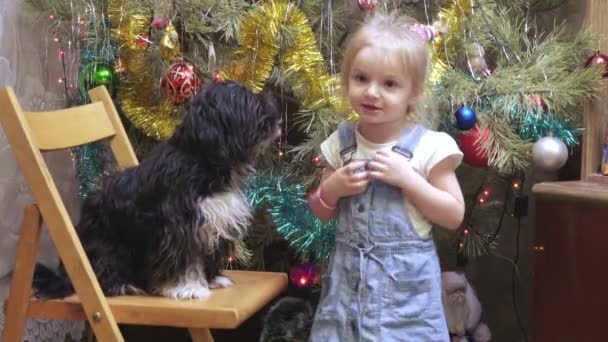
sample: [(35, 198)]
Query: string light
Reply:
[(281, 154), (316, 160), (484, 196), (217, 76)]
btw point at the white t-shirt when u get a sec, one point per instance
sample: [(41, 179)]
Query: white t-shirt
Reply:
[(432, 148)]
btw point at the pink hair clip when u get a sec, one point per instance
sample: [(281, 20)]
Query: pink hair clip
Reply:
[(426, 32)]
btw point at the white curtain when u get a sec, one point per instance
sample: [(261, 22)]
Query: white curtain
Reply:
[(29, 63)]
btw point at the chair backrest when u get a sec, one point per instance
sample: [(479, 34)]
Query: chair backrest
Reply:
[(30, 133)]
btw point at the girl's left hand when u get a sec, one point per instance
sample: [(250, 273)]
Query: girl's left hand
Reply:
[(391, 168)]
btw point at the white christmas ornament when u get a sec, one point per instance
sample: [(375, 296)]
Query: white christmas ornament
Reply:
[(549, 153)]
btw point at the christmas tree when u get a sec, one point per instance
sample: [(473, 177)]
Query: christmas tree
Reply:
[(509, 92)]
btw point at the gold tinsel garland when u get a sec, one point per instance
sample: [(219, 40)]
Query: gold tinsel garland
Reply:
[(137, 91), (253, 61), (451, 18), (301, 61)]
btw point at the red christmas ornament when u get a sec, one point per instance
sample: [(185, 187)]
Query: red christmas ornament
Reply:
[(303, 275), (142, 42), (180, 83), (538, 101), (473, 147), (160, 22), (367, 5), (598, 60)]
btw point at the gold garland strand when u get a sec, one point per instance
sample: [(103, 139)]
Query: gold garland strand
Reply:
[(452, 19), (302, 61), (252, 64), (137, 92)]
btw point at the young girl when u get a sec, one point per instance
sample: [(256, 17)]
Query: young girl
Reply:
[(387, 180)]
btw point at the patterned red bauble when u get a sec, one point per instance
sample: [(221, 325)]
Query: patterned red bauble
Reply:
[(367, 5), (473, 147), (303, 275), (599, 60), (180, 83)]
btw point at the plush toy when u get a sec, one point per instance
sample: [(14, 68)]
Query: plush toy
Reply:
[(288, 320), (462, 309)]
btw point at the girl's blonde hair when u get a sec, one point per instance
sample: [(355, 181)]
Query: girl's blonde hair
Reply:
[(395, 33)]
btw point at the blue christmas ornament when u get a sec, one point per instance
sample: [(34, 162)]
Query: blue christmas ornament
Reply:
[(465, 118)]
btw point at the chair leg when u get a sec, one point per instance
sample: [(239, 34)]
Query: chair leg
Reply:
[(201, 335), (21, 283)]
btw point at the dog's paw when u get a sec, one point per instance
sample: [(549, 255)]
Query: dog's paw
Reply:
[(221, 281), (187, 291)]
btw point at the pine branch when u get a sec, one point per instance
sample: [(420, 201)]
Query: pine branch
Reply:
[(507, 153)]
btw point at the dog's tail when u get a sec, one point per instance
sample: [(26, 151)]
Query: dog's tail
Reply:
[(50, 284)]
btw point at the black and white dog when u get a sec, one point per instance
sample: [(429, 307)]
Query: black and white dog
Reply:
[(166, 227)]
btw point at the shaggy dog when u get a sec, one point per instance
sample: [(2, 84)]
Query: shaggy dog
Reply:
[(166, 227)]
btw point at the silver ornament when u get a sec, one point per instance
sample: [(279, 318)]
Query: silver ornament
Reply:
[(549, 153)]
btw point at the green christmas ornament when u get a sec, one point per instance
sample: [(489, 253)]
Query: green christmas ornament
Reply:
[(95, 74)]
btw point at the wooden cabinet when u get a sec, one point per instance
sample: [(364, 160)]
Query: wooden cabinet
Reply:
[(570, 281)]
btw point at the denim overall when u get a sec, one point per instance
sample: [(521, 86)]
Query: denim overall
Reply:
[(383, 282)]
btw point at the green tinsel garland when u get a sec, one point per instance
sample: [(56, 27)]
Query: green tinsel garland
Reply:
[(531, 124), (91, 159), (534, 128), (89, 166), (287, 204)]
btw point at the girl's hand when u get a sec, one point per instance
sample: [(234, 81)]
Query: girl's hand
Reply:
[(345, 182), (391, 168)]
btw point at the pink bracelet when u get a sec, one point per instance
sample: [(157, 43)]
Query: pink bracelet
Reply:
[(323, 203)]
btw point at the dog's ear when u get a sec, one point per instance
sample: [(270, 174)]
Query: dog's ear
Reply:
[(269, 101), (202, 126), (270, 112)]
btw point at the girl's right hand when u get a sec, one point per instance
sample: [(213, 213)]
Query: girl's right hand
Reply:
[(345, 182)]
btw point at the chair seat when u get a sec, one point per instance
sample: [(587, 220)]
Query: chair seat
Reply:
[(226, 308)]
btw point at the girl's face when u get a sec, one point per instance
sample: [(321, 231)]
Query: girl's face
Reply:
[(378, 89)]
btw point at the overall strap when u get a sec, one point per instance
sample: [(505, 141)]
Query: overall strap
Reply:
[(348, 141), (409, 140)]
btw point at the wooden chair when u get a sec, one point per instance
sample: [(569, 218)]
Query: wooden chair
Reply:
[(31, 133)]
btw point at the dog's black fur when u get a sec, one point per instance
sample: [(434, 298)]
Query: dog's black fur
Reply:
[(143, 229)]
